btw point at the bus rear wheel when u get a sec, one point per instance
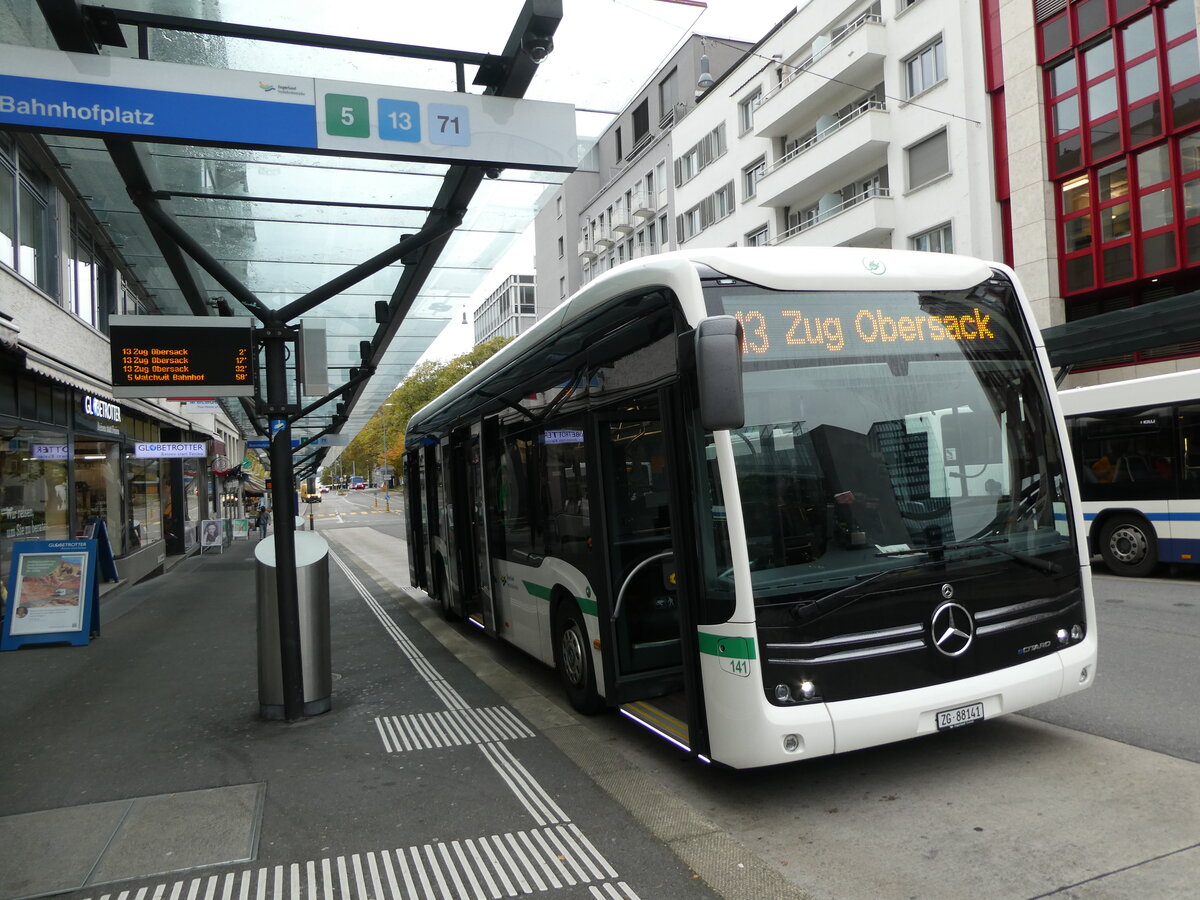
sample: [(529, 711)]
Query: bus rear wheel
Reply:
[(573, 659), (1129, 546)]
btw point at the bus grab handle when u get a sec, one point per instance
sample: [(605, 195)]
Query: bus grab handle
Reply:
[(628, 578)]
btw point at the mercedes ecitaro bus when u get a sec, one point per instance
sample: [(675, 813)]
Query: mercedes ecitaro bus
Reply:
[(770, 503)]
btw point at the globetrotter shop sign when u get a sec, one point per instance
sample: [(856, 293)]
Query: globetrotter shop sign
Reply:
[(185, 450)]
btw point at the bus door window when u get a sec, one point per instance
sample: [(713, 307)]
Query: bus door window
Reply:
[(634, 453)]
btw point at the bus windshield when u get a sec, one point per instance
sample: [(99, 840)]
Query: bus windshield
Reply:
[(888, 428)]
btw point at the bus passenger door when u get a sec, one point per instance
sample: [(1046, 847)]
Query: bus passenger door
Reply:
[(476, 555), (643, 600)]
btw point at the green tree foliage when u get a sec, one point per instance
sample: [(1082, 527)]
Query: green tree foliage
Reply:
[(425, 382)]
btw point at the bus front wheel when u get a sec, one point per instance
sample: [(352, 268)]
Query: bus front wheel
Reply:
[(573, 658), (1129, 546)]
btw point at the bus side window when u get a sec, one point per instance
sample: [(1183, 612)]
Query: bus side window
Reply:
[(1189, 450)]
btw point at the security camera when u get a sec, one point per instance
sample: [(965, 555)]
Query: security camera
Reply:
[(538, 46), (492, 173)]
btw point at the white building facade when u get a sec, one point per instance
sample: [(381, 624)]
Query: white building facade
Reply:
[(853, 124), (619, 205)]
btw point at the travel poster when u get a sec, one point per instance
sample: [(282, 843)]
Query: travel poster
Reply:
[(47, 596)]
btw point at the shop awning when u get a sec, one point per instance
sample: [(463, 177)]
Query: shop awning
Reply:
[(63, 373)]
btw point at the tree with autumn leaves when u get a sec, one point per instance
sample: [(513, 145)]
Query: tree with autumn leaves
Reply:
[(426, 381)]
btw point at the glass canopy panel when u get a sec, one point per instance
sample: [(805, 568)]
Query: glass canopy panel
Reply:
[(292, 238)]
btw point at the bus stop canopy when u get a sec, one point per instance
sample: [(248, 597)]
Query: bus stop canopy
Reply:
[(206, 229)]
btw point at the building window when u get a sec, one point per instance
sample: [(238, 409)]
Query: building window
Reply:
[(668, 94), (562, 287), (759, 238), (560, 248), (558, 208), (746, 110), (928, 160), (26, 217), (713, 208), (925, 68), (751, 175), (697, 157), (90, 285), (936, 240), (641, 121)]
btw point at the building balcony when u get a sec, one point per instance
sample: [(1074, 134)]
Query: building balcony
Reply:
[(865, 220), (833, 157), (586, 250), (621, 225), (603, 240), (645, 204), (855, 56)]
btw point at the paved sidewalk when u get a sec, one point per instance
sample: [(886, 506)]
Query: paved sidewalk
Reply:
[(137, 768)]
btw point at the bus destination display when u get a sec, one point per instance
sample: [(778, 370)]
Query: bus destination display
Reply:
[(181, 356), (777, 325)]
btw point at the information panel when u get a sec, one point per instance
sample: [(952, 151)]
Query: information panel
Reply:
[(81, 93), (181, 356)]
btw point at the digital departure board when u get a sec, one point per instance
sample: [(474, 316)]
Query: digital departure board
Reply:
[(181, 356)]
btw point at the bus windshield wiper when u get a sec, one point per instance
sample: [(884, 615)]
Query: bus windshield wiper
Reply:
[(1034, 562), (808, 612)]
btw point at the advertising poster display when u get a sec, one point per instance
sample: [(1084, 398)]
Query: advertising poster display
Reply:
[(241, 529), (212, 534), (52, 594)]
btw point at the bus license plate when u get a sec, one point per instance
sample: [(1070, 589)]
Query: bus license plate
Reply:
[(959, 716)]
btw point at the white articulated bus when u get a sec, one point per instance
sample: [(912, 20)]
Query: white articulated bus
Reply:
[(771, 503), (1136, 445)]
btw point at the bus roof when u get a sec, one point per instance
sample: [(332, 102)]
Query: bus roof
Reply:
[(1153, 390), (775, 268)]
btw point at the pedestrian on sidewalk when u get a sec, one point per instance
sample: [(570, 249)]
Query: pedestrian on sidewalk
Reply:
[(263, 521)]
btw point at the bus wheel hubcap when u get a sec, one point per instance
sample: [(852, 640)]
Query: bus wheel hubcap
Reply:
[(572, 655), (1128, 544)]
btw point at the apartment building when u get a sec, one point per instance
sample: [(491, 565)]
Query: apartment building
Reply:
[(853, 124), (619, 205)]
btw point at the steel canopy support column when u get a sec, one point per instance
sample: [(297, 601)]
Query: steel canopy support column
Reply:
[(282, 488)]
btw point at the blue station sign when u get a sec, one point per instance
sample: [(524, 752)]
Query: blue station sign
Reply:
[(55, 91)]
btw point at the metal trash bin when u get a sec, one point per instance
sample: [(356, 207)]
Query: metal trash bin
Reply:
[(312, 583)]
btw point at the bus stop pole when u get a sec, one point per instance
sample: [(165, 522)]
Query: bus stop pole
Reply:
[(283, 490)]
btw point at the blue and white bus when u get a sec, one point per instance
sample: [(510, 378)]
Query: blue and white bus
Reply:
[(1136, 445), (770, 503)]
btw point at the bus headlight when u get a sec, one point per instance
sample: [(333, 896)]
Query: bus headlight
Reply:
[(783, 693), (1077, 632), (808, 690), (1062, 635)]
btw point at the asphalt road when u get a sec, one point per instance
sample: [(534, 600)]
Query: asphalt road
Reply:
[(1145, 692), (1095, 796)]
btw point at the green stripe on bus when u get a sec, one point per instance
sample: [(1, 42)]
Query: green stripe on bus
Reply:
[(728, 647), (537, 590), (587, 606)]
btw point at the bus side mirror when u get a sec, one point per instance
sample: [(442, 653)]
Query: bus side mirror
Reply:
[(719, 373)]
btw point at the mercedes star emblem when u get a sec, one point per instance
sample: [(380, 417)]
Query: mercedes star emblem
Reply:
[(952, 629)]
